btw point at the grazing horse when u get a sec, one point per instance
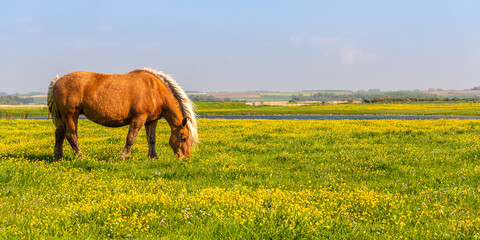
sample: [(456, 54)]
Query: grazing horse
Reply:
[(137, 98)]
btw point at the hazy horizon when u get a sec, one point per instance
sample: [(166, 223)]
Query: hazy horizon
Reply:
[(273, 91), (214, 46)]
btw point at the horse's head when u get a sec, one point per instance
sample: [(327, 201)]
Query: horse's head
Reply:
[(180, 140)]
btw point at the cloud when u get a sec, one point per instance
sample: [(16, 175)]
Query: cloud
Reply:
[(88, 44), (296, 41), (155, 46), (28, 26), (347, 51), (349, 55), (343, 50), (106, 28), (330, 41)]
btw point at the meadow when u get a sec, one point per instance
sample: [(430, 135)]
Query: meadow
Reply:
[(16, 111), (237, 108), (300, 179), (457, 109)]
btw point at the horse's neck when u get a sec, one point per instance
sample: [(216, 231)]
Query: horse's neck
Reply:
[(173, 114)]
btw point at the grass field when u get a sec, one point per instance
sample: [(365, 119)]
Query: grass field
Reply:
[(16, 111), (235, 108), (247, 179), (460, 109)]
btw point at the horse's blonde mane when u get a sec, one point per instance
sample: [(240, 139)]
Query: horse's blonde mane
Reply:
[(187, 106)]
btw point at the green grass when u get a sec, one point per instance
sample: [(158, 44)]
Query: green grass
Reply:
[(247, 179), (236, 108), (16, 111), (460, 109)]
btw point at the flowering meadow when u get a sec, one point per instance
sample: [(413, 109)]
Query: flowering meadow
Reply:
[(374, 179), (459, 109), (238, 108)]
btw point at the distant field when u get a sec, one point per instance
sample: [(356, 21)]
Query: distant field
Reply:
[(460, 109), (16, 111), (232, 95), (254, 96), (456, 93), (232, 108), (338, 95)]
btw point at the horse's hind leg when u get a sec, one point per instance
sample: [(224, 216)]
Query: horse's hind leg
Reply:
[(59, 138), (71, 133), (135, 126), (150, 128)]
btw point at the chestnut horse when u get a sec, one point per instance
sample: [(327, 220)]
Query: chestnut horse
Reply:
[(137, 98)]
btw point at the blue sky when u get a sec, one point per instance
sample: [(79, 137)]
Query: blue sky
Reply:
[(245, 45)]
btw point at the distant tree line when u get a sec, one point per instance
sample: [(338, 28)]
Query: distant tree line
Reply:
[(208, 98), (322, 96), (330, 96), (27, 100), (417, 99), (327, 90), (10, 100)]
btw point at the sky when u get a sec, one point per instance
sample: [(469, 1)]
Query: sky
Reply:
[(248, 45)]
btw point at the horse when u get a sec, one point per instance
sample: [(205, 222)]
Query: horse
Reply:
[(138, 98)]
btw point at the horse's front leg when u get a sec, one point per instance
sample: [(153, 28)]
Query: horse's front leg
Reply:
[(71, 134), (150, 128), (135, 126)]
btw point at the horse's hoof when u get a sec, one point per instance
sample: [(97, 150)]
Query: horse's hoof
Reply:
[(57, 158)]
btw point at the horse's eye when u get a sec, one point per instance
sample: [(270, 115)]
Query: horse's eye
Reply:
[(183, 138)]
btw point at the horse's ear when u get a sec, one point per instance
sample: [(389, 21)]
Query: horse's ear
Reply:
[(184, 122)]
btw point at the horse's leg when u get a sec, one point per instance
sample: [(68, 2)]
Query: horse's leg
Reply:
[(150, 128), (59, 138), (71, 133), (135, 126), (75, 121)]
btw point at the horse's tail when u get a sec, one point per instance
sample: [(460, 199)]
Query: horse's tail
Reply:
[(52, 107)]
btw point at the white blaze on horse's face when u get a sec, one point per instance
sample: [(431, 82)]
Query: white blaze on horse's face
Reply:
[(180, 140)]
